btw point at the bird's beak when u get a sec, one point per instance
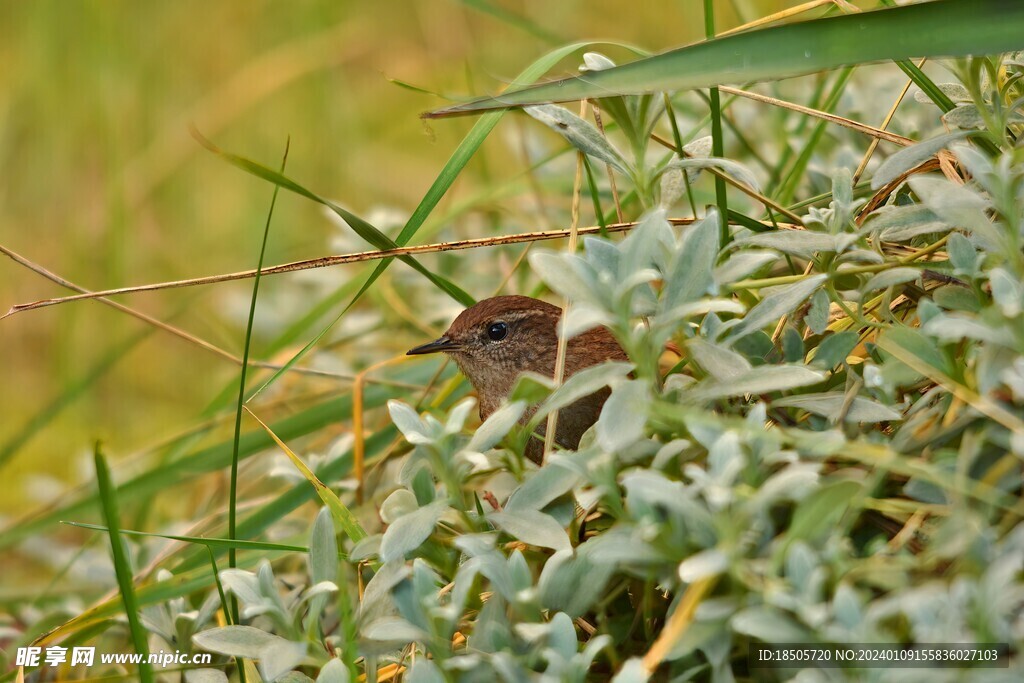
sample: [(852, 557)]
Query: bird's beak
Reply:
[(442, 344)]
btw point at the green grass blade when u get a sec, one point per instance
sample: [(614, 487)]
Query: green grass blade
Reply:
[(717, 143), (343, 517), (205, 460), (365, 230), (108, 497), (204, 540), (233, 481), (944, 28)]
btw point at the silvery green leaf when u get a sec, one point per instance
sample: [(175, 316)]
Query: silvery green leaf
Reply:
[(955, 326), (803, 243), (533, 528), (640, 249), (954, 91), (595, 61), (424, 670), (834, 349), (633, 671), (572, 582), (377, 600), (774, 306), (321, 588), (602, 255), (700, 307), (583, 383), (544, 486), (719, 362), (965, 116), (770, 625), (394, 629), (701, 147), (334, 671), (703, 565), (562, 636), (580, 134), (690, 273), (976, 163), (911, 157), (829, 404), (280, 657), (859, 256), (742, 264), (583, 317), (672, 185), (817, 315), (408, 422), (901, 223), (244, 585), (399, 503), (205, 676), (457, 416), (1007, 292), (889, 278), (962, 254), (623, 416), (763, 379), (293, 677), (733, 168), (409, 531), (958, 205), (496, 426), (323, 548), (365, 548), (842, 187), (559, 275), (236, 641)]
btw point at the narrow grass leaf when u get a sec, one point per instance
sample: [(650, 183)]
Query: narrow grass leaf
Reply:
[(122, 567), (343, 517), (944, 28)]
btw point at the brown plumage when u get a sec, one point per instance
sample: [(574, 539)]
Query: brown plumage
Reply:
[(496, 340)]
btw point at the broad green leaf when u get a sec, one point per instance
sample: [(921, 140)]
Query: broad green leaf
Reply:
[(690, 273), (236, 641), (819, 512), (777, 304), (890, 278), (623, 416), (581, 134), (323, 549), (911, 157), (532, 527), (334, 671), (830, 404), (901, 223), (583, 383), (410, 531), (764, 379), (718, 361), (945, 28), (834, 349), (802, 243), (733, 168), (817, 315), (496, 426)]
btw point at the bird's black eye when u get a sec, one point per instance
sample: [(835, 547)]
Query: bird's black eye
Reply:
[(497, 331)]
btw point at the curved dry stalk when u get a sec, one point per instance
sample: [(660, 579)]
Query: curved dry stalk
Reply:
[(161, 325), (327, 261), (831, 118), (563, 340)]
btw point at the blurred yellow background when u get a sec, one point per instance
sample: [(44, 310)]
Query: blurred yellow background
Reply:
[(103, 185)]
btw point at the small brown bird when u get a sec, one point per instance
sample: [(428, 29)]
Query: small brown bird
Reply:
[(497, 339)]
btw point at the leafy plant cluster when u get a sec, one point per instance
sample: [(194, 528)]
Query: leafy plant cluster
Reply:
[(829, 451), (818, 438)]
